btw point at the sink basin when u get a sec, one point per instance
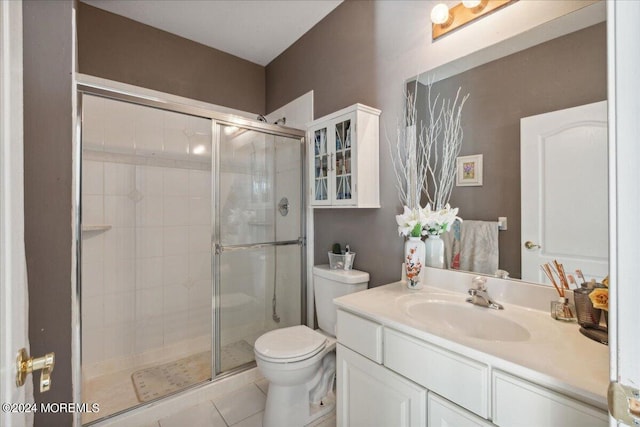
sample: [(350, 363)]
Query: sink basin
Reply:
[(464, 319)]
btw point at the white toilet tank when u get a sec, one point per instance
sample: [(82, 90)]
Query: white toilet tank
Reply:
[(329, 284)]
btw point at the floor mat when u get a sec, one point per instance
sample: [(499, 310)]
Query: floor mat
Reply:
[(157, 381)]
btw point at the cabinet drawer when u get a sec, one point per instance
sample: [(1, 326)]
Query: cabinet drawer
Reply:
[(455, 377), (520, 403), (360, 335), (442, 413)]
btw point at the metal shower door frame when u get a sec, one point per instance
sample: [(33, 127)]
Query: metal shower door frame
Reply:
[(217, 246), (104, 90)]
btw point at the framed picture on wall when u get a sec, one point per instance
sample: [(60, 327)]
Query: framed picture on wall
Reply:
[(469, 171)]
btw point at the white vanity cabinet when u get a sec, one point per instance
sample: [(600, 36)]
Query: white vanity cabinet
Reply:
[(343, 159), (389, 377)]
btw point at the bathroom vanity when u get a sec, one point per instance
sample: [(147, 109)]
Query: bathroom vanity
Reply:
[(428, 358)]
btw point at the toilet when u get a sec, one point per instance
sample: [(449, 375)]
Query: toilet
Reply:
[(300, 363)]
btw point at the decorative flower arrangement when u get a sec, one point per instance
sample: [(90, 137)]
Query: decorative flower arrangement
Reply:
[(424, 162), (600, 296), (424, 221)]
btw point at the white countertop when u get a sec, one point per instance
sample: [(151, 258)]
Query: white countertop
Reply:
[(556, 354)]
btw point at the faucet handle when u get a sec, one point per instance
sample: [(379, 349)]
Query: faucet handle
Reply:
[(479, 283)]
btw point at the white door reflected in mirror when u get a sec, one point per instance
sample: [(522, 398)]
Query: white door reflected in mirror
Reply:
[(563, 175)]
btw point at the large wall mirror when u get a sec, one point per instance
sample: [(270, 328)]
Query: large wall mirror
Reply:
[(546, 88)]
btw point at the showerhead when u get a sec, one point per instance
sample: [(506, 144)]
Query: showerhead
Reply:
[(261, 118)]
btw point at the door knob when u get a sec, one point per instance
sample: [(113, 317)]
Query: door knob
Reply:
[(25, 365), (530, 245)]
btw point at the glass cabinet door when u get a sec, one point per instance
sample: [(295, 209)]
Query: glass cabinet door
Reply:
[(343, 157), (321, 165)]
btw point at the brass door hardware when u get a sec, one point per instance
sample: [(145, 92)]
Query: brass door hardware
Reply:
[(26, 365), (530, 245), (624, 403)]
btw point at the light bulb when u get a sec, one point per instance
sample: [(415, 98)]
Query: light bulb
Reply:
[(470, 4), (440, 14)]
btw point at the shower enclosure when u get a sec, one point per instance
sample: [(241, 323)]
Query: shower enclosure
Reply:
[(191, 245)]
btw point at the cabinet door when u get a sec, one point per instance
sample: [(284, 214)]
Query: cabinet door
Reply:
[(343, 160), (371, 395), (443, 413), (320, 164)]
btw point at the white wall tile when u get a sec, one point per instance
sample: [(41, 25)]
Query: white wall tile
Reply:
[(92, 277), (200, 266), (149, 211), (200, 183), (176, 182), (92, 313), (119, 276), (200, 148), (199, 211), (92, 177), (92, 247), (119, 308), (176, 240), (118, 341), (119, 128), (176, 299), (176, 270), (119, 211), (92, 122), (149, 180), (92, 346), (148, 335), (199, 238), (175, 327), (119, 179), (149, 303), (119, 243), (149, 272), (199, 125), (149, 130), (93, 209), (149, 242), (176, 210)]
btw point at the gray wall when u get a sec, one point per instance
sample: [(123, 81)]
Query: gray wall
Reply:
[(124, 50), (48, 46), (337, 59), (561, 73), (357, 54)]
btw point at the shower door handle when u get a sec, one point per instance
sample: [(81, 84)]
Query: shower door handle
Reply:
[(331, 162), (218, 248)]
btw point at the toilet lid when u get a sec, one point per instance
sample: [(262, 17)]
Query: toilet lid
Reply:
[(289, 343)]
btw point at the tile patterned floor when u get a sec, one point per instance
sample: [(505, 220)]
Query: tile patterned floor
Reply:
[(242, 408)]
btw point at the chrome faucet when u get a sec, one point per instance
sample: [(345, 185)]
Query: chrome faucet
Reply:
[(480, 295)]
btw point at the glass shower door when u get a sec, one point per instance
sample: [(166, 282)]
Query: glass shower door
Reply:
[(258, 262)]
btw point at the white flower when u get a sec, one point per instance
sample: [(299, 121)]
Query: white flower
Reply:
[(408, 221), (439, 221)]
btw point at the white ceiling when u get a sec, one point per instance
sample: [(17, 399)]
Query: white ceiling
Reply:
[(255, 30)]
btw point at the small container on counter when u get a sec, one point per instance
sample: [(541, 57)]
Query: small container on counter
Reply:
[(563, 310)]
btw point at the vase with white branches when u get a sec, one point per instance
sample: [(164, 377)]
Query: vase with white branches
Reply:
[(424, 163)]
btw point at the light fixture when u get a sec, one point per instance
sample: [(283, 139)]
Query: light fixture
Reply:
[(446, 20), (440, 15)]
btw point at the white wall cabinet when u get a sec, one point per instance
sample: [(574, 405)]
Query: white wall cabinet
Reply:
[(371, 395), (462, 391), (344, 159)]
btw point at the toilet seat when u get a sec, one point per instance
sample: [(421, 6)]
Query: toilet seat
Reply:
[(288, 345)]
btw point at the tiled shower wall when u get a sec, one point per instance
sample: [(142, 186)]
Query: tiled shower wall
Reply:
[(146, 280)]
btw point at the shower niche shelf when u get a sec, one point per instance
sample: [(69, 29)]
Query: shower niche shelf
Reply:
[(96, 227), (343, 159)]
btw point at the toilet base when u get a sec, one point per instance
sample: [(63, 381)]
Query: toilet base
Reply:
[(299, 413)]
